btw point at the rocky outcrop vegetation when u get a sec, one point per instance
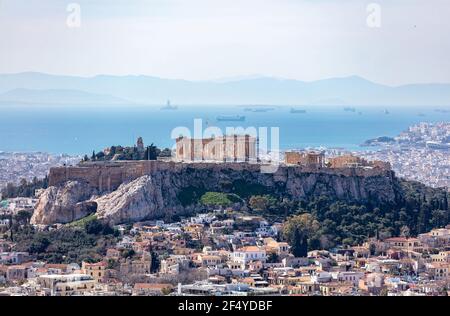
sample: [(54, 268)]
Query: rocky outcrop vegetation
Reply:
[(171, 191)]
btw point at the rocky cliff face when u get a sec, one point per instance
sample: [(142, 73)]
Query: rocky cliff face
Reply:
[(63, 204), (156, 194), (134, 201)]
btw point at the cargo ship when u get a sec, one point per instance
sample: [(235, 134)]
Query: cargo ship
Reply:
[(168, 106), (297, 111), (231, 118)]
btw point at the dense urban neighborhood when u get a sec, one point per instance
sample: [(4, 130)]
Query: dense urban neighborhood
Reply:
[(225, 253)]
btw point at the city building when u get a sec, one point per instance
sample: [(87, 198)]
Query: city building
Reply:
[(247, 254), (95, 270), (66, 285)]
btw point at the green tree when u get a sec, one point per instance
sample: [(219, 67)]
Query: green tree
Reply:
[(39, 245), (96, 227), (215, 199), (272, 258), (372, 249), (100, 155), (152, 152), (298, 243), (297, 230), (154, 266), (166, 152), (263, 203), (128, 253), (22, 217)]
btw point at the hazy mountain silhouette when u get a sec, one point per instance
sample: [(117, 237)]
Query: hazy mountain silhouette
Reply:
[(58, 97), (106, 89)]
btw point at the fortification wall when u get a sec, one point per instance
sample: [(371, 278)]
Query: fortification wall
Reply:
[(108, 176)]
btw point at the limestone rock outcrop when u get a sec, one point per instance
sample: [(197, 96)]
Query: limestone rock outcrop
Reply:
[(64, 204), (138, 200), (128, 192)]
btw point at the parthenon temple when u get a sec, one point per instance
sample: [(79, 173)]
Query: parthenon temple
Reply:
[(223, 148)]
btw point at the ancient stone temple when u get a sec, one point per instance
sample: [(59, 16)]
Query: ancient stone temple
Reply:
[(223, 148), (347, 161), (313, 159), (350, 161)]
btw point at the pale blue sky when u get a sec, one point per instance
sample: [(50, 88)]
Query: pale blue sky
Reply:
[(210, 39)]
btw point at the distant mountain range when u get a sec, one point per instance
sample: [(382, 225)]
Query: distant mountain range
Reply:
[(58, 97), (39, 88)]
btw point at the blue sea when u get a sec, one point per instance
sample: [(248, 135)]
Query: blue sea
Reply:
[(80, 130)]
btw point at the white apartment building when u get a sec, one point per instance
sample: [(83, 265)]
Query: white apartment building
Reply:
[(247, 254)]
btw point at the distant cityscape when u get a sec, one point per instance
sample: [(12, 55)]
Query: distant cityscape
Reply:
[(421, 153), (17, 166)]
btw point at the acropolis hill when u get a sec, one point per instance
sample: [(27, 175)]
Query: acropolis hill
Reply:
[(125, 191), (218, 154), (108, 176)]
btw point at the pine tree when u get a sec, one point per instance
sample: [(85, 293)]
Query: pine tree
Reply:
[(299, 244), (154, 266), (152, 152)]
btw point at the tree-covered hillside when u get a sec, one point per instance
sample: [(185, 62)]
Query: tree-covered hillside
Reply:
[(417, 209)]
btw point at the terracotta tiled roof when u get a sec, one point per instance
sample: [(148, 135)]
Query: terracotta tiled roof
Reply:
[(56, 266), (98, 264), (249, 249)]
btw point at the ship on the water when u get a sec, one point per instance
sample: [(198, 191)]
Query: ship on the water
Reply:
[(297, 111), (231, 118), (169, 106), (258, 109), (261, 110), (349, 109)]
